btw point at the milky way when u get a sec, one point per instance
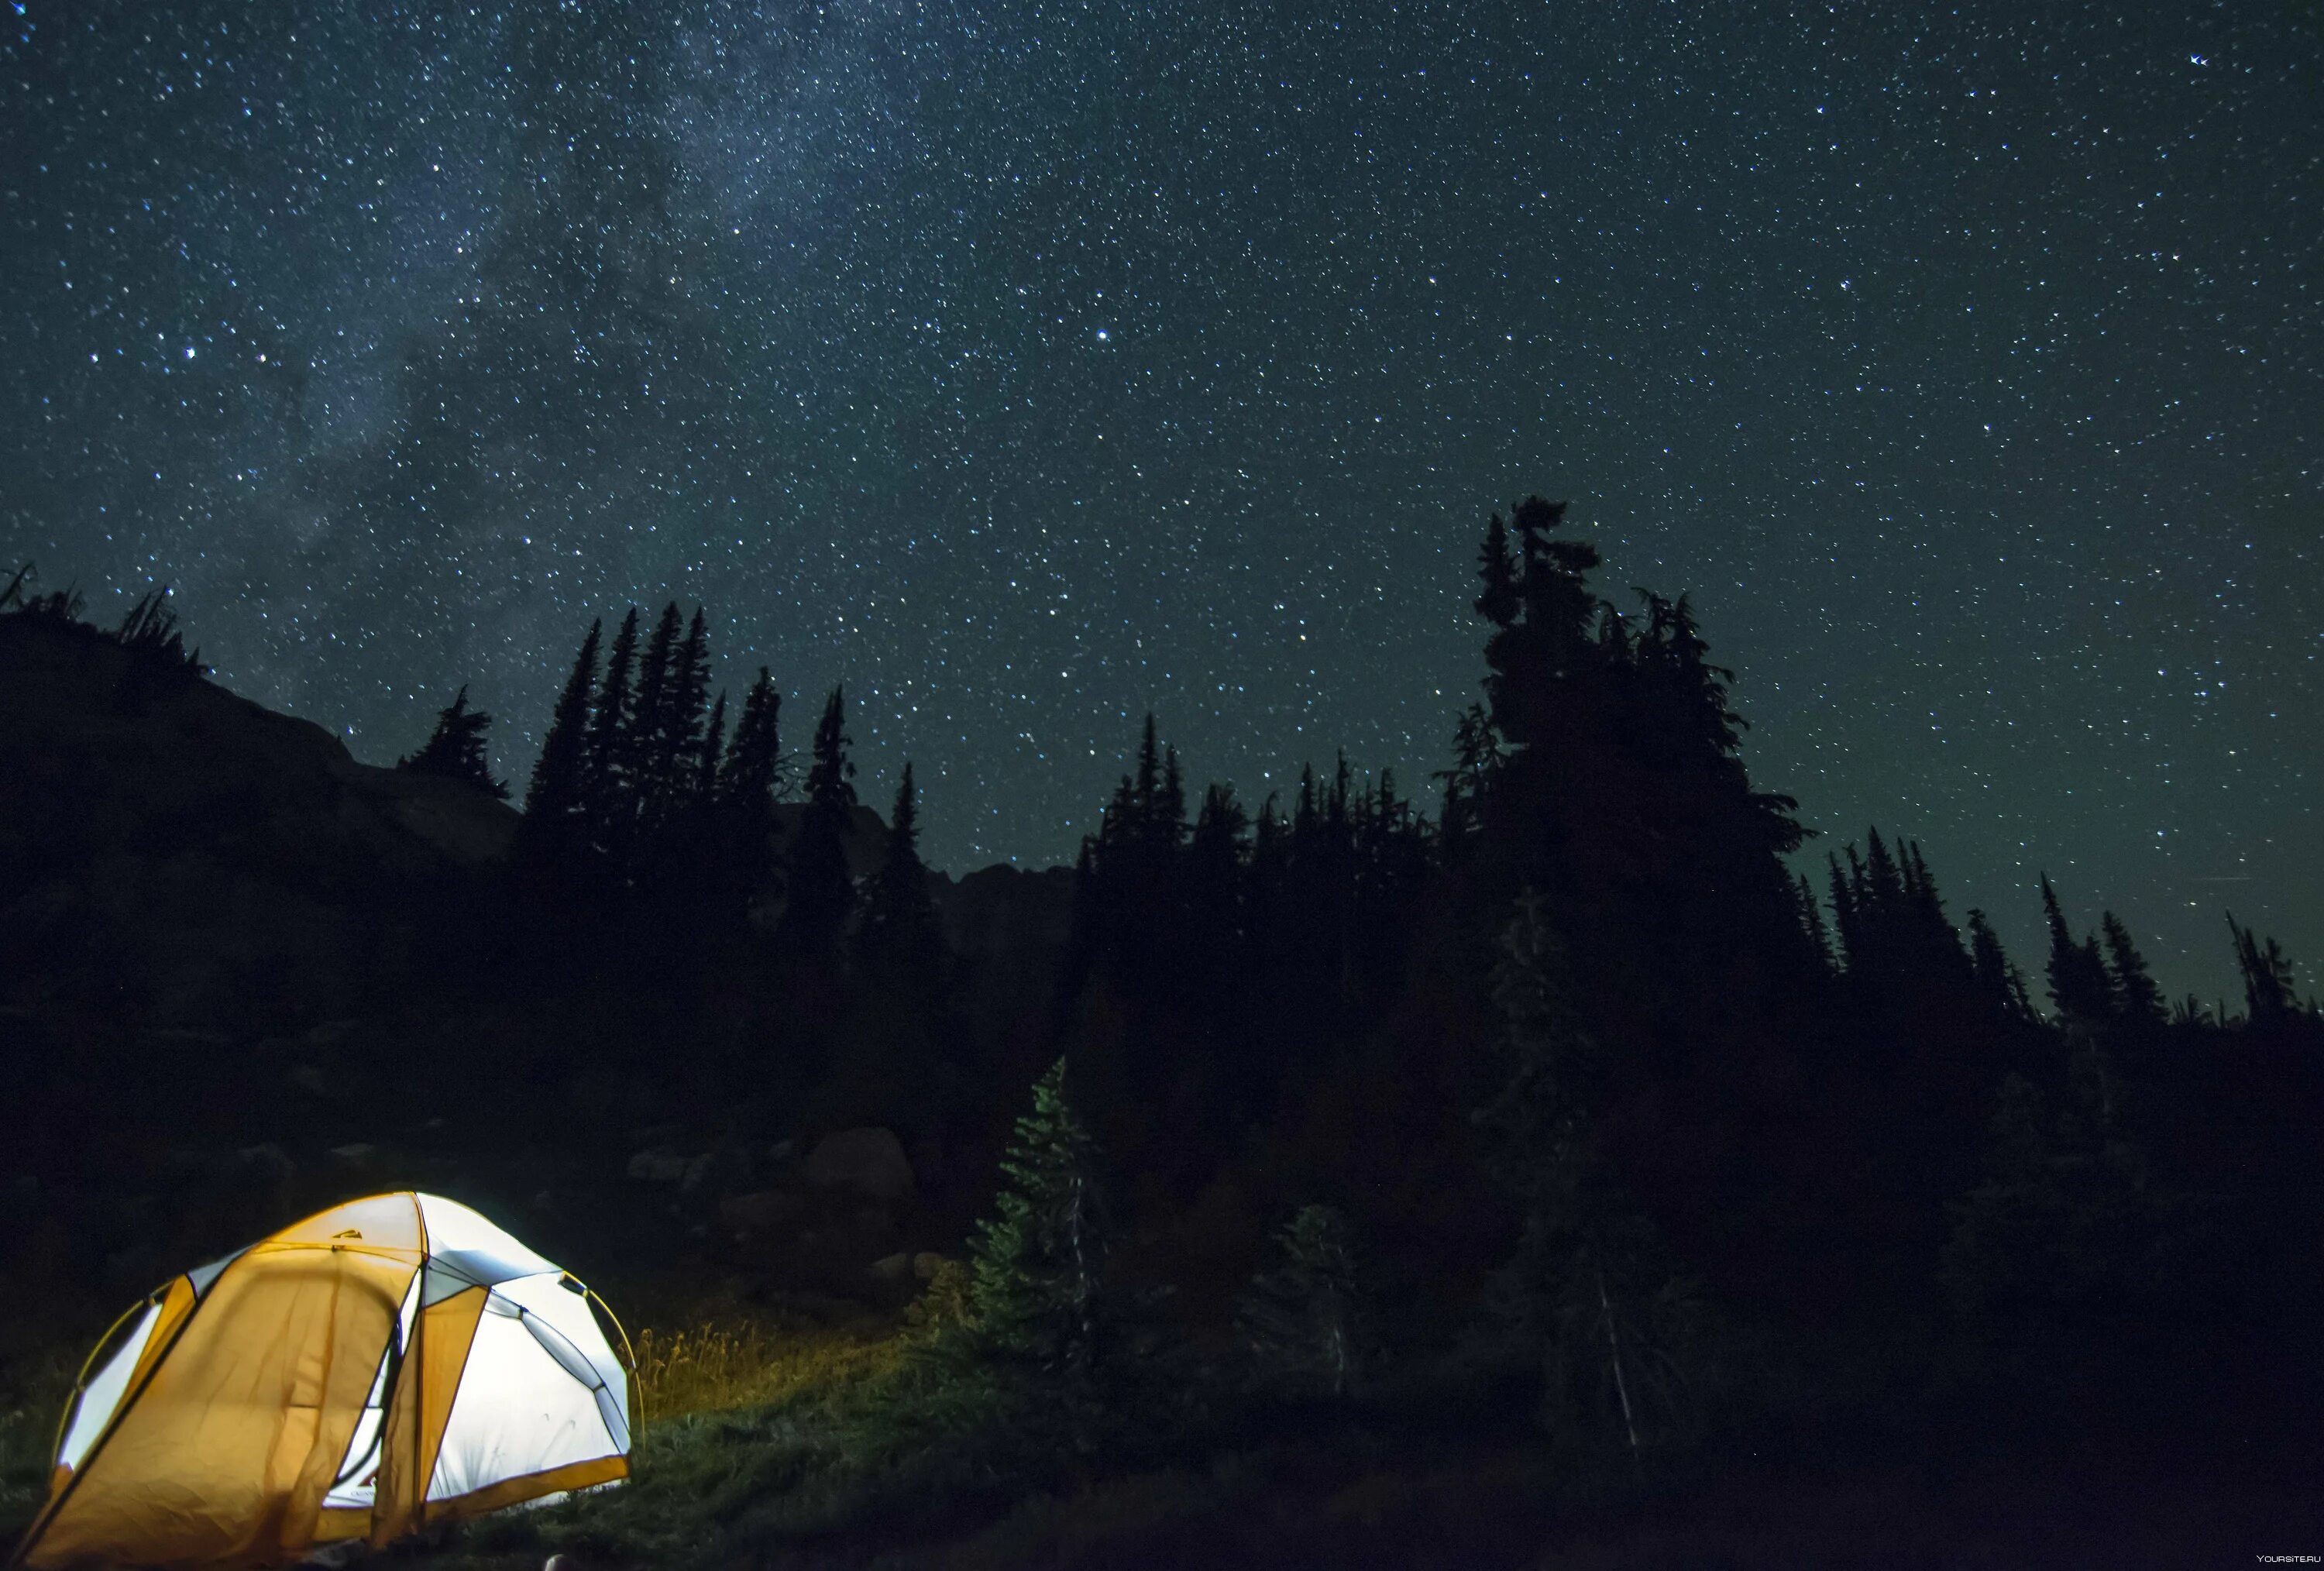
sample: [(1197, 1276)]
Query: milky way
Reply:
[(1028, 366)]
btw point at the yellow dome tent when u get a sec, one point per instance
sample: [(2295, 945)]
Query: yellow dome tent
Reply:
[(390, 1363)]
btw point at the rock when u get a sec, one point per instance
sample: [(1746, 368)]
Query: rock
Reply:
[(763, 1211), (871, 1230), (659, 1165), (870, 1162), (927, 1262), (893, 1268)]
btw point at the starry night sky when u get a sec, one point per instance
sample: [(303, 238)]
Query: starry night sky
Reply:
[(1026, 365)]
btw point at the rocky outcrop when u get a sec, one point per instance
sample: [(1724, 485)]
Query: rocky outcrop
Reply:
[(1004, 908), (869, 1162)]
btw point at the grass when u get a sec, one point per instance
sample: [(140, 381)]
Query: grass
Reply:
[(718, 1366), (32, 1399)]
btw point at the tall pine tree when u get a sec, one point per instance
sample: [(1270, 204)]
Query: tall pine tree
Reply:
[(2079, 984), (899, 919), (611, 800), (2138, 1000), (649, 763), (557, 798), (822, 892)]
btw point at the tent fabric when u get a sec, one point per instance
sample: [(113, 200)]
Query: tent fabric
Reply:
[(104, 1392), (340, 1379)]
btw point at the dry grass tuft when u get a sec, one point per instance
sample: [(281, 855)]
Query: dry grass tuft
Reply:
[(720, 1365)]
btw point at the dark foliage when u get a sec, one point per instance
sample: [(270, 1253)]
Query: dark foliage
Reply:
[(455, 748), (1615, 1094), (820, 893)]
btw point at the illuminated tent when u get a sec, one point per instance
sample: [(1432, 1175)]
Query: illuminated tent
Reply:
[(391, 1362)]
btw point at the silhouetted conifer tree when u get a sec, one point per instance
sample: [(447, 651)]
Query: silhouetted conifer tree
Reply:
[(1168, 826), (646, 762), (1811, 924), (899, 917), (2268, 991), (1844, 916), (752, 775), (2079, 984), (821, 891), (706, 761), (2138, 1000), (556, 801), (1996, 976), (1213, 882), (1498, 602), (1476, 759), (455, 748), (611, 793), (677, 739)]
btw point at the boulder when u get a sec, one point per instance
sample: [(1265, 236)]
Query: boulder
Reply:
[(892, 1268), (870, 1162), (762, 1211), (927, 1262)]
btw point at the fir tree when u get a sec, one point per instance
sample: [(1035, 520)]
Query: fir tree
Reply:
[(822, 892), (706, 760), (1551, 587), (557, 795), (1993, 972), (1498, 602), (2079, 984), (1476, 759), (678, 733), (2138, 1000), (652, 719), (455, 748), (752, 775), (1213, 877), (1592, 1282), (611, 793), (1168, 824), (1845, 918), (899, 919), (1038, 1263), (1308, 1322), (2268, 996), (1145, 789), (1812, 924)]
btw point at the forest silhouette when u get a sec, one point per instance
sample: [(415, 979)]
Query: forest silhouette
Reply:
[(1563, 1061)]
